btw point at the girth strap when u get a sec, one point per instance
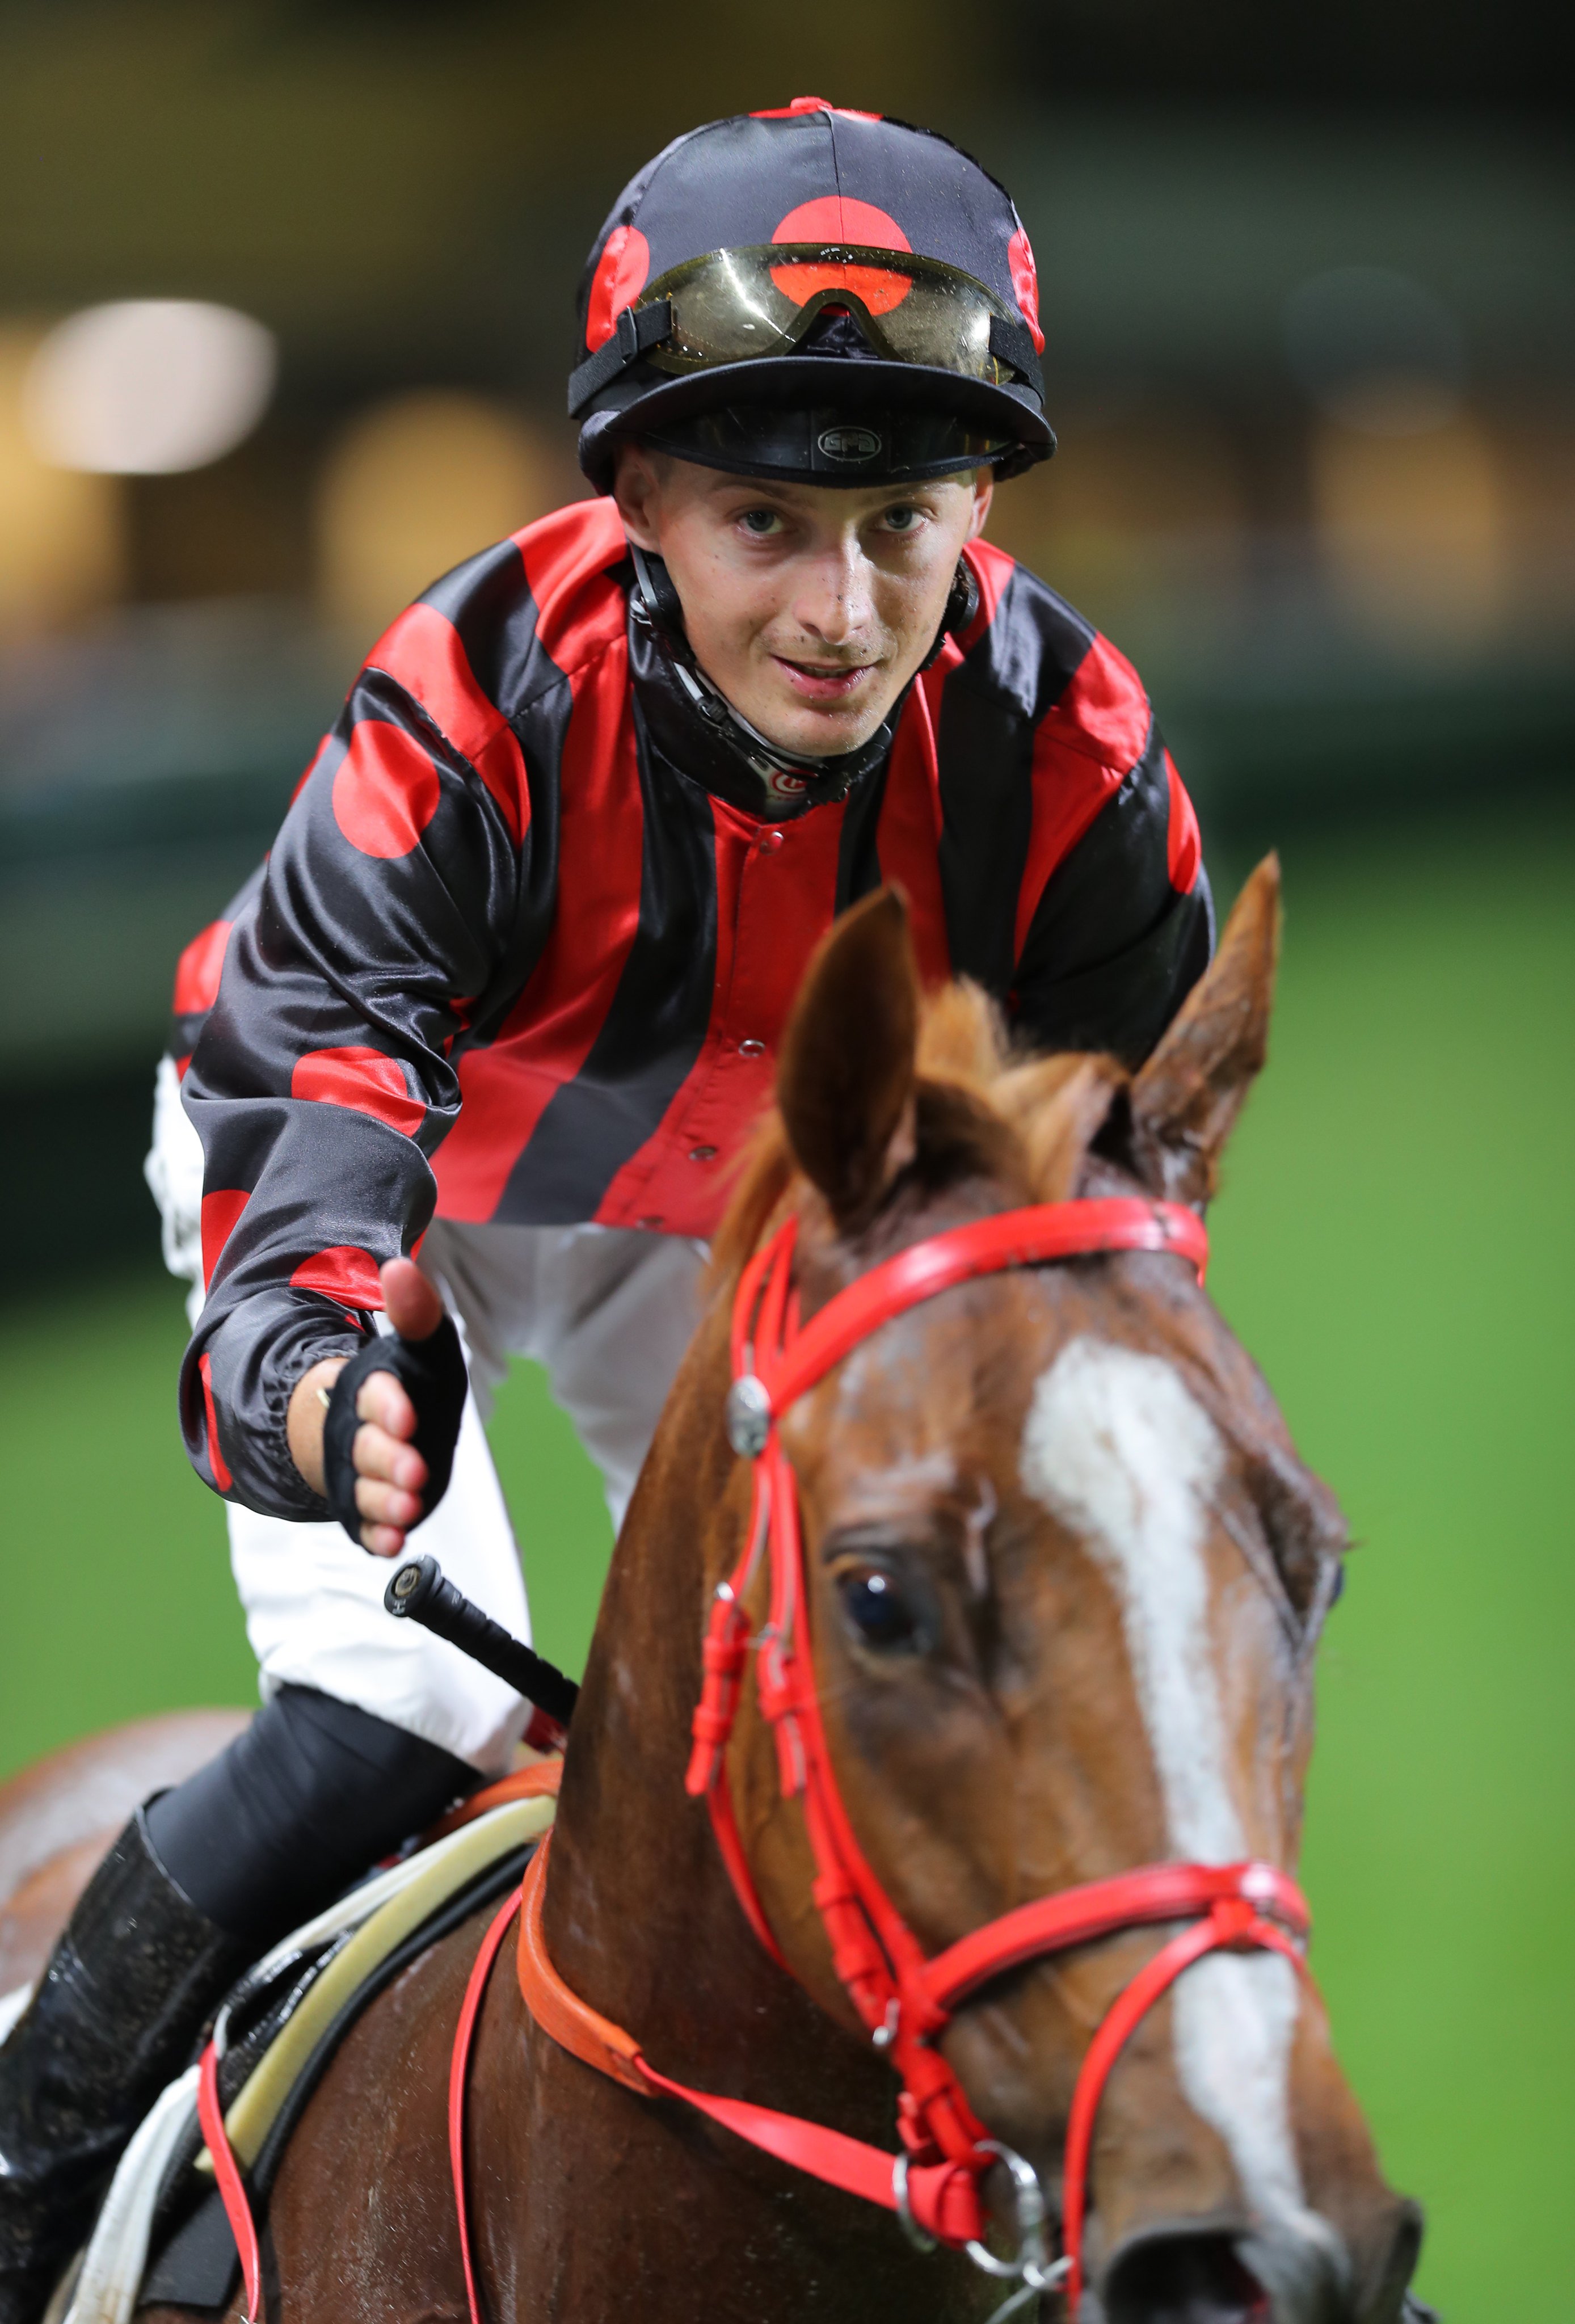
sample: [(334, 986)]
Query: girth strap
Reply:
[(476, 1993), (232, 2187)]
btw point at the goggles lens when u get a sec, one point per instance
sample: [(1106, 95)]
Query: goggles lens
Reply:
[(733, 305)]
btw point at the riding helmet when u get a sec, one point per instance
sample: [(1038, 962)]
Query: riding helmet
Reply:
[(817, 295)]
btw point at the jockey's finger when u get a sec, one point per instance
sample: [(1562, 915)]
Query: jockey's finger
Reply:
[(386, 1505), (383, 1400), (388, 1459), (381, 1540)]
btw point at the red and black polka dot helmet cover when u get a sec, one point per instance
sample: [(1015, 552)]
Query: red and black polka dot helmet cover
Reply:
[(808, 172)]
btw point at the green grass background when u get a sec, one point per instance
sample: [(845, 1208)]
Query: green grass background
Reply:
[(1395, 1243)]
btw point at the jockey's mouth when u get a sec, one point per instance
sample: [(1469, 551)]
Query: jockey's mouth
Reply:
[(824, 681)]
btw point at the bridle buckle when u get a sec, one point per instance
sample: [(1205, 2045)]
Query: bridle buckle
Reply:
[(749, 1415), (1033, 2269)]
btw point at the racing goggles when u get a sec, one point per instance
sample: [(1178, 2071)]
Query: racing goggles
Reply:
[(739, 306)]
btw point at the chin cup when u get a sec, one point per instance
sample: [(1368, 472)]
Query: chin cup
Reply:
[(961, 604), (656, 601)]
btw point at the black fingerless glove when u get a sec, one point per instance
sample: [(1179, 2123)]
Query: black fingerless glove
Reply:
[(431, 1371)]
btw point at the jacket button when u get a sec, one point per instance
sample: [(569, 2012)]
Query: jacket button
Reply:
[(769, 841), (751, 1048), (702, 1153)]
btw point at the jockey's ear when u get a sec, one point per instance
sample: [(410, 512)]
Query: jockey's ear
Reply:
[(845, 1081), (1185, 1101)]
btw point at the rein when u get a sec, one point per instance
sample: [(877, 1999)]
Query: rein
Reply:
[(904, 1999)]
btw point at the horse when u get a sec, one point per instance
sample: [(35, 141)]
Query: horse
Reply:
[(59, 1817), (1064, 1576)]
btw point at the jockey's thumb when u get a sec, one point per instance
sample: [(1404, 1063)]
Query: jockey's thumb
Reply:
[(410, 1299), (424, 1355)]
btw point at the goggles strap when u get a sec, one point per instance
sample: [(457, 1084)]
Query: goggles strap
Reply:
[(1013, 342), (639, 329)]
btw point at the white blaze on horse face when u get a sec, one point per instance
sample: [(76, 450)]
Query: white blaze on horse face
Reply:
[(1116, 1448)]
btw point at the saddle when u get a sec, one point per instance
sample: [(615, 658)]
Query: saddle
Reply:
[(163, 2236)]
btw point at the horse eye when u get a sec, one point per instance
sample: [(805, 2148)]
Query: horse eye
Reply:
[(881, 1618)]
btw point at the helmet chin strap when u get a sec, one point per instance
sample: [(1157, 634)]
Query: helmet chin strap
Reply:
[(655, 602)]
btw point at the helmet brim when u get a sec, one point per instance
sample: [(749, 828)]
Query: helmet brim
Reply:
[(646, 402)]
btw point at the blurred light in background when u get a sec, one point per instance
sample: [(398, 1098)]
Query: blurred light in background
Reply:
[(1376, 350), (1415, 532), (148, 387), (62, 550), (1142, 503), (1537, 447), (1407, 490), (414, 486)]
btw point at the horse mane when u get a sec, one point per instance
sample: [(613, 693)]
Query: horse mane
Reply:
[(983, 1109)]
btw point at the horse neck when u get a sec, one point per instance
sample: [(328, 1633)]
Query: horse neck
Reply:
[(600, 2200), (640, 1916)]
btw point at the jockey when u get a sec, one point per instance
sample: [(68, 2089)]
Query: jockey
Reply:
[(474, 1051)]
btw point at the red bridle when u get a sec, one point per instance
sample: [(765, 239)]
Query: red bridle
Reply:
[(904, 1999)]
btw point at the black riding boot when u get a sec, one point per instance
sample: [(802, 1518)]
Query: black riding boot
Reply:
[(114, 2017)]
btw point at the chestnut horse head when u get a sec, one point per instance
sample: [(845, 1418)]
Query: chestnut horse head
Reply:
[(1065, 1575)]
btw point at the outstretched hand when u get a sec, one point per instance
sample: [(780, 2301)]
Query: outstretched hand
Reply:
[(390, 1473)]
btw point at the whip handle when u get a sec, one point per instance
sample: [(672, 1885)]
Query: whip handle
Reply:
[(418, 1593)]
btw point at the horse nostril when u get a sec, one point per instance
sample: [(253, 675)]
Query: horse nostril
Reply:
[(1385, 2298), (1184, 2278)]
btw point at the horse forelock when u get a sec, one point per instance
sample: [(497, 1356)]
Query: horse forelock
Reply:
[(985, 1110)]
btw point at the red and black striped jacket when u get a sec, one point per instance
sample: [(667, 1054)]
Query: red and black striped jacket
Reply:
[(511, 959)]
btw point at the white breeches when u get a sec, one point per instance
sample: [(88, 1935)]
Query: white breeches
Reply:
[(608, 1312)]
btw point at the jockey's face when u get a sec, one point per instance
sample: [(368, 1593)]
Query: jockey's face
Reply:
[(810, 606)]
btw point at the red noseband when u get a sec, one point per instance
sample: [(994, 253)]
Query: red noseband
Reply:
[(904, 1999)]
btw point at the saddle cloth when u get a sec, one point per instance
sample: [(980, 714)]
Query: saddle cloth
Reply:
[(277, 2033)]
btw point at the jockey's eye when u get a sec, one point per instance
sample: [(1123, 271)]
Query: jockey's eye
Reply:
[(879, 1615)]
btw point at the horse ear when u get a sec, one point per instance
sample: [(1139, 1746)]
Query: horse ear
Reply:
[(845, 1081), (1185, 1101)]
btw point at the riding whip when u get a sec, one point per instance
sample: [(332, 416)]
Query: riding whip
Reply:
[(418, 1593)]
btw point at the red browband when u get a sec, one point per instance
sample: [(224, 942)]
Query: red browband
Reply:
[(904, 1999)]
